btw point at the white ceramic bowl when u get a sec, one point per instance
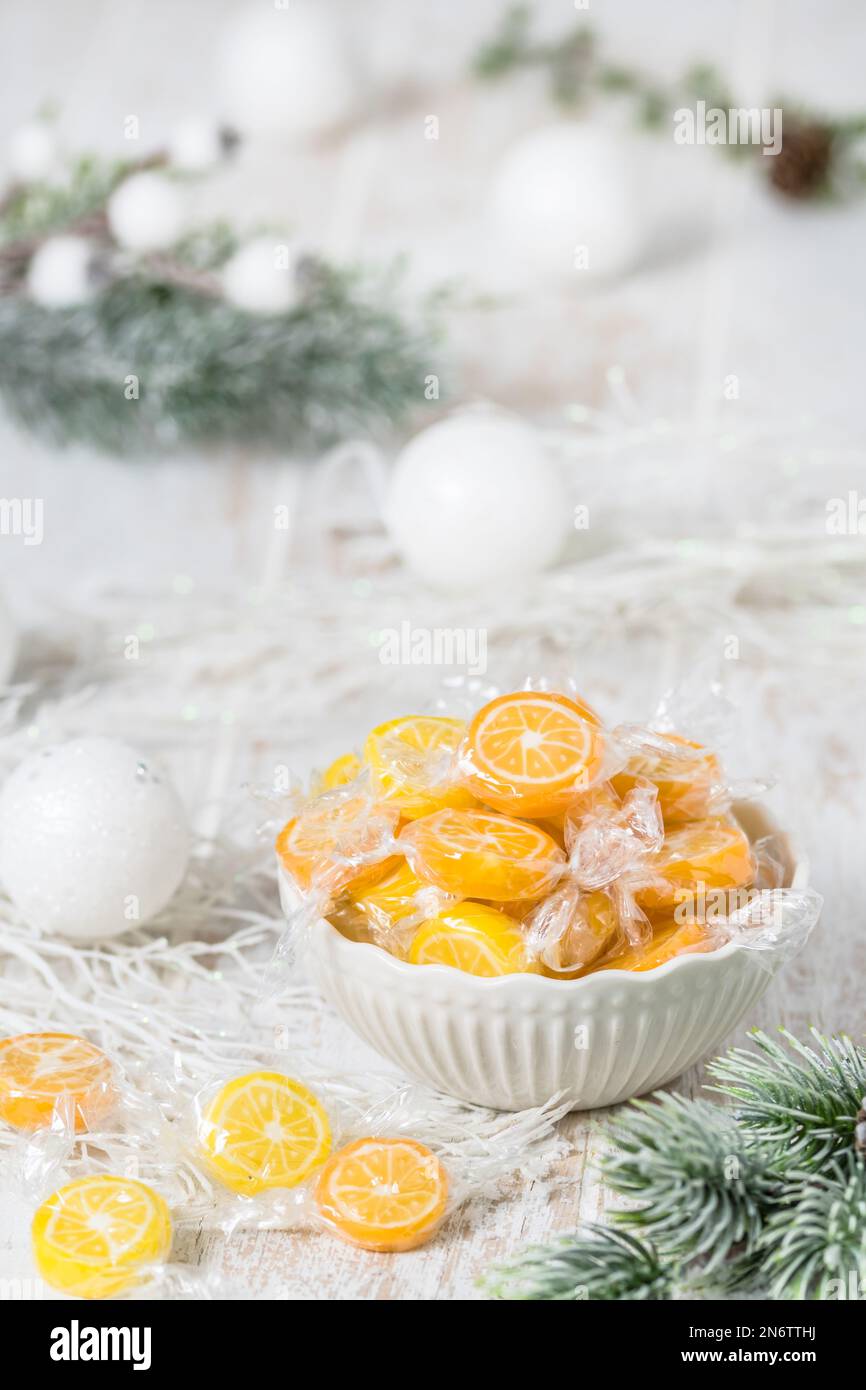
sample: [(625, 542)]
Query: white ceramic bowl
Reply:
[(516, 1041)]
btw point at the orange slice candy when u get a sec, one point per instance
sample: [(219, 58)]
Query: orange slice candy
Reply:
[(319, 845), (383, 1194), (530, 753), (471, 937), (478, 854), (409, 759), (668, 940), (685, 783), (701, 856), (48, 1074)]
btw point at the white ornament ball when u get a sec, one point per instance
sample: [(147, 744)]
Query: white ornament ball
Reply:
[(93, 840), (566, 205), (58, 276), (288, 70), (474, 499), (261, 277), (35, 153), (146, 212), (8, 645), (196, 145)]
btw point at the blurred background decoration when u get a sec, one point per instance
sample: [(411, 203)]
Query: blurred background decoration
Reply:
[(125, 325)]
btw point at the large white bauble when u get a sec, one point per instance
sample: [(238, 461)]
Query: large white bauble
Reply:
[(146, 212), (93, 840), (475, 498), (288, 70), (261, 277), (58, 276), (565, 203), (8, 644), (35, 154)]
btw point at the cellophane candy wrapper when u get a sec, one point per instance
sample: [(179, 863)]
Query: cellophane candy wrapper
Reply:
[(609, 840), (63, 1103), (109, 1236), (336, 840), (370, 1160)]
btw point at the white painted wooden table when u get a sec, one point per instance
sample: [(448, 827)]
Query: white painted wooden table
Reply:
[(771, 294)]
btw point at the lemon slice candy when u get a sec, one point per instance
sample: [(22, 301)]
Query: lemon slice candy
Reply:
[(264, 1130), (94, 1237)]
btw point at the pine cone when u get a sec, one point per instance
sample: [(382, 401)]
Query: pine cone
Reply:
[(801, 169)]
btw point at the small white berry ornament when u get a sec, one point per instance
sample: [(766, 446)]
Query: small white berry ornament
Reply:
[(93, 839), (35, 154), (261, 277), (474, 499), (59, 275), (196, 145), (288, 69), (565, 204), (146, 212)]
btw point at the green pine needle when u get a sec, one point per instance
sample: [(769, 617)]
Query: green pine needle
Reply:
[(204, 372), (602, 1264), (704, 1186), (800, 1103), (815, 1242)]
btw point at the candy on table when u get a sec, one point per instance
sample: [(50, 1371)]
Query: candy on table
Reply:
[(474, 938), (264, 1130), (707, 854), (383, 1194), (669, 939), (687, 775), (338, 839), (96, 1237), (410, 761), (529, 753), (54, 1076), (479, 854)]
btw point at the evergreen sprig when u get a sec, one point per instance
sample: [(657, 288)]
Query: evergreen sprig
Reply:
[(598, 1263), (801, 1103), (159, 358), (704, 1187), (821, 155), (815, 1243), (765, 1200), (150, 364)]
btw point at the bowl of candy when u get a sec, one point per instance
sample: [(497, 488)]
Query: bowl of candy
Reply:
[(529, 904)]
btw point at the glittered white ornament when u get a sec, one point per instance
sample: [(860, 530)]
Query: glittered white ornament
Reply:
[(261, 277), (8, 644), (58, 276), (146, 212), (93, 840), (196, 145), (35, 153), (475, 498), (288, 70), (565, 204)]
